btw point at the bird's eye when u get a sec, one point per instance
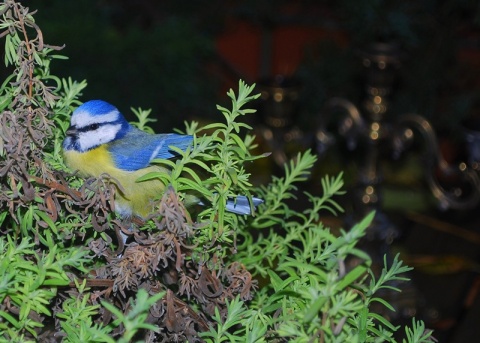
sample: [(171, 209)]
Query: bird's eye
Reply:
[(93, 126)]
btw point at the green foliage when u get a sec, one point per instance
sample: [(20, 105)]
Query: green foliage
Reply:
[(143, 117), (280, 190), (30, 281), (136, 318), (213, 169), (235, 313), (76, 318), (418, 333), (289, 277)]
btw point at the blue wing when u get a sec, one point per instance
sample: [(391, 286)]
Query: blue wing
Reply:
[(137, 148)]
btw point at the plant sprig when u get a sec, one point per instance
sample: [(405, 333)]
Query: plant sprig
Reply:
[(212, 169)]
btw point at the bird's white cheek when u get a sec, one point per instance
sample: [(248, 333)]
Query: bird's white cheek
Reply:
[(92, 139)]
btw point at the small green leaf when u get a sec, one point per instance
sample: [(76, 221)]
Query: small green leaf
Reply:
[(383, 321), (306, 267), (10, 319), (383, 302), (314, 309), (352, 276)]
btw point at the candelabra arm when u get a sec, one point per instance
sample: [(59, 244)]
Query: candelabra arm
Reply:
[(455, 198), (350, 125), (349, 107)]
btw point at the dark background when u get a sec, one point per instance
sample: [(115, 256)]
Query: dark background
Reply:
[(180, 58)]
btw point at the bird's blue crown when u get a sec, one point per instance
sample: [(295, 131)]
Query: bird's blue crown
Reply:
[(97, 107)]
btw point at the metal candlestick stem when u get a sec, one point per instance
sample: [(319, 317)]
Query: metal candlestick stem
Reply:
[(279, 104)]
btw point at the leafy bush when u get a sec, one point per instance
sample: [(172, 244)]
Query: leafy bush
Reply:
[(197, 275)]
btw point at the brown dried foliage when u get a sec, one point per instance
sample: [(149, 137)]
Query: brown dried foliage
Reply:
[(162, 260), (156, 260)]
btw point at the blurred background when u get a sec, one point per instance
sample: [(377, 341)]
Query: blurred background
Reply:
[(340, 77)]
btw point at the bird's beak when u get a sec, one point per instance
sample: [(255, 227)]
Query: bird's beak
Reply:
[(72, 131)]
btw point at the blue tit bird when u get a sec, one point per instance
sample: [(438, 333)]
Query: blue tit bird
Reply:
[(101, 141)]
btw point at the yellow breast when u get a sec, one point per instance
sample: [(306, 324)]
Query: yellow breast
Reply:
[(136, 197)]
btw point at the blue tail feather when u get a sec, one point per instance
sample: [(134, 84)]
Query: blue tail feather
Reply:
[(241, 204)]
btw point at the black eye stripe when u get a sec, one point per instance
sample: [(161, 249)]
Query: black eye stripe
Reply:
[(90, 127)]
